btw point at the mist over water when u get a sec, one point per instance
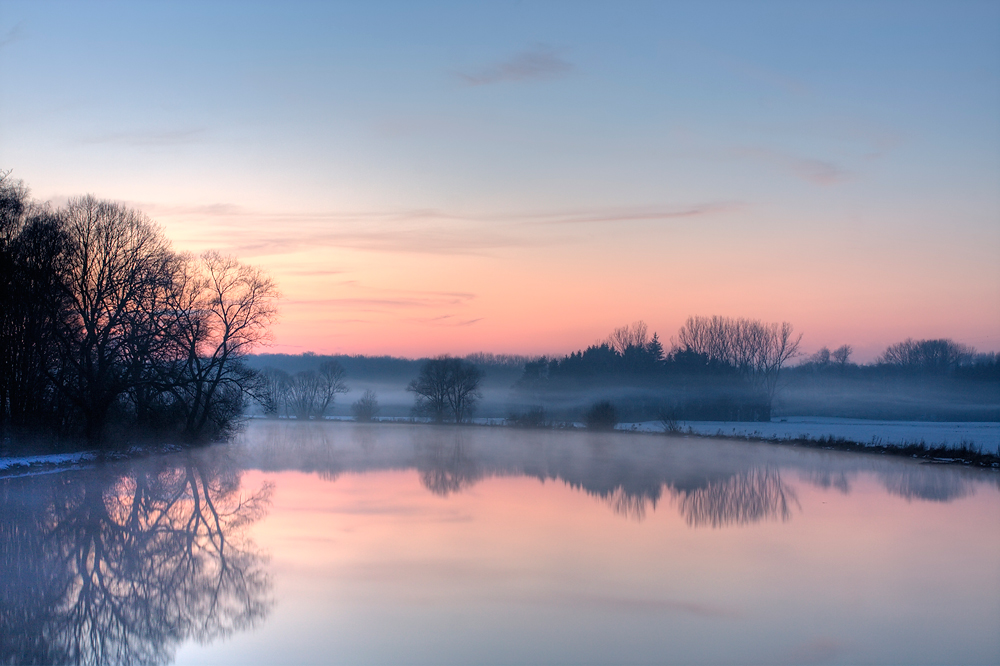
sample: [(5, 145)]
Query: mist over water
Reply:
[(377, 543)]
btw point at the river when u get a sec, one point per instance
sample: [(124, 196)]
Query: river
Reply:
[(414, 544)]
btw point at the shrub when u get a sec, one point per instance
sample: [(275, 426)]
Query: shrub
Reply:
[(366, 408), (533, 418), (601, 416)]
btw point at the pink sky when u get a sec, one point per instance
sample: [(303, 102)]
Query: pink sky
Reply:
[(524, 179)]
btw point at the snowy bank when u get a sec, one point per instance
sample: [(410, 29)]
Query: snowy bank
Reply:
[(877, 433), (31, 463)]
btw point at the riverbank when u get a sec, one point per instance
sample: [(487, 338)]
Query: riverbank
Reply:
[(965, 452)]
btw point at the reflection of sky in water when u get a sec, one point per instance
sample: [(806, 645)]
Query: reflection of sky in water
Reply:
[(400, 544)]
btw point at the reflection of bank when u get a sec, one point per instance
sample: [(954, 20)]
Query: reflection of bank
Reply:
[(123, 565), (712, 484)]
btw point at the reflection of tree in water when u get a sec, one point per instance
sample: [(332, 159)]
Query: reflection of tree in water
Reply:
[(122, 569), (747, 497), (363, 436), (825, 478), (936, 485), (445, 466), (630, 505)]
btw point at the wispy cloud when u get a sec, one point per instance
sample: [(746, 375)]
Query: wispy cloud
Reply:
[(448, 320), (198, 210), (618, 215), (366, 302), (538, 63), (389, 299), (819, 650), (310, 272), (172, 137), (419, 241), (15, 34), (816, 171), (418, 231)]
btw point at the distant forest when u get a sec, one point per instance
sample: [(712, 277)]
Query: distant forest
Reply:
[(725, 369), (716, 368)]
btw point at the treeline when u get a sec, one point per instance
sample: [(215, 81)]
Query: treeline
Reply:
[(445, 389), (927, 380), (938, 358), (722, 368), (719, 368), (106, 331)]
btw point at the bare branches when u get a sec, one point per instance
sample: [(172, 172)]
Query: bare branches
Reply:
[(306, 395), (625, 337), (928, 355), (842, 355), (446, 387), (223, 309), (115, 323), (366, 408), (757, 349)]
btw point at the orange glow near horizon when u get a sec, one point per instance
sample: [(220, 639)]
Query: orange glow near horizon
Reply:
[(558, 293)]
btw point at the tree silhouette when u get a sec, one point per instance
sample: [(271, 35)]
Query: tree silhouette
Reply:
[(446, 387), (103, 326)]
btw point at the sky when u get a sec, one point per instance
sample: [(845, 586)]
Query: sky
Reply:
[(523, 177)]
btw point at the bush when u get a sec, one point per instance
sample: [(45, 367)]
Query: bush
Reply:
[(601, 416), (668, 419), (366, 408), (533, 418)]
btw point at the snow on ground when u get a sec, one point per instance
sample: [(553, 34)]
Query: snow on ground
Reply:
[(863, 431), (56, 459)]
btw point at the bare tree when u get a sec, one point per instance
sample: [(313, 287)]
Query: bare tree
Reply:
[(842, 355), (273, 392), (101, 319), (625, 337), (32, 252), (758, 350), (446, 386), (303, 394), (929, 355), (310, 392), (116, 280), (821, 357), (331, 382), (223, 309), (601, 415)]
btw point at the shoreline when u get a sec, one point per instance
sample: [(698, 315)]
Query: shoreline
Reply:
[(966, 455)]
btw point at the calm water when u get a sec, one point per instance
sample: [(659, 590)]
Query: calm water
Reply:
[(343, 543)]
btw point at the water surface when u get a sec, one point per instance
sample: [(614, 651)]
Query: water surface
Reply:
[(344, 543)]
